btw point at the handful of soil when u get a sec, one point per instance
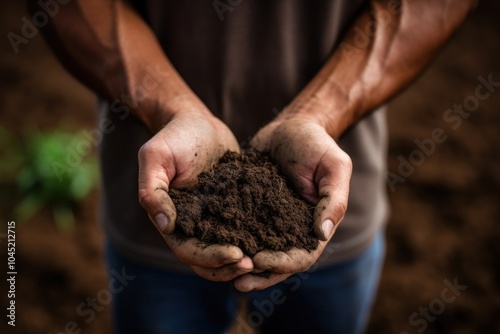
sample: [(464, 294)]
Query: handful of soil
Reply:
[(244, 201)]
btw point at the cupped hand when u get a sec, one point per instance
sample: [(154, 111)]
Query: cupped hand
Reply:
[(320, 172), (190, 143)]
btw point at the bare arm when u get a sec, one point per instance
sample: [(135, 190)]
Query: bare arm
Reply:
[(360, 75), (109, 48), (400, 39)]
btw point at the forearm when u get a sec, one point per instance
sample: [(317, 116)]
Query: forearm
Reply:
[(108, 47), (360, 77)]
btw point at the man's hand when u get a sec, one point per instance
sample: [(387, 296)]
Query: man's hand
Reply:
[(320, 172), (190, 143)]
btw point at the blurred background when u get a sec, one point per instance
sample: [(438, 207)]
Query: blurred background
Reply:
[(446, 208)]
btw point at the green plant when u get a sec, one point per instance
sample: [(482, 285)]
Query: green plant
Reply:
[(50, 170)]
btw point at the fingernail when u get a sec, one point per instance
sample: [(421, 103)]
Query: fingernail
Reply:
[(327, 228), (161, 222)]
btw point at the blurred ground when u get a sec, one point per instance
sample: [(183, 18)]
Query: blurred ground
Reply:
[(443, 225)]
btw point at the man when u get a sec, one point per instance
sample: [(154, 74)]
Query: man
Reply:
[(192, 73)]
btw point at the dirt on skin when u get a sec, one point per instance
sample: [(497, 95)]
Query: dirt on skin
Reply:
[(244, 201)]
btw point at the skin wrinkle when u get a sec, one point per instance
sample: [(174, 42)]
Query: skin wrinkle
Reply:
[(168, 167), (162, 176), (316, 170)]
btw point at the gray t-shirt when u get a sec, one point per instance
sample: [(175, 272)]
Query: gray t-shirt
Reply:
[(245, 63)]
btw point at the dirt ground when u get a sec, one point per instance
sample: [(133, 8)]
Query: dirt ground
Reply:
[(443, 229)]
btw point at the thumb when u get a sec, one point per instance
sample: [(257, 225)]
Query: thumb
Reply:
[(153, 191), (161, 210), (333, 179), (327, 216)]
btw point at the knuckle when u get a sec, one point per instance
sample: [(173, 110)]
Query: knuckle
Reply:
[(340, 211), (345, 160), (146, 149), (145, 198)]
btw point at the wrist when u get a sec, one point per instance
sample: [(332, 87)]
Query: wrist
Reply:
[(334, 98), (311, 110), (158, 93), (158, 112)]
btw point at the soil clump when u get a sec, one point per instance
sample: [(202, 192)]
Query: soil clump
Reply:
[(245, 201)]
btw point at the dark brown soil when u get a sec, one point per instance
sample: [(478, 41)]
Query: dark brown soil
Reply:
[(244, 201)]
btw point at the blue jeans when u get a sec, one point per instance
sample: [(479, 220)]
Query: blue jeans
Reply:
[(334, 299)]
